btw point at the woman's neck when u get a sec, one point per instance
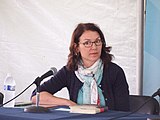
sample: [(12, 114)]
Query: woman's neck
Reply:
[(88, 64)]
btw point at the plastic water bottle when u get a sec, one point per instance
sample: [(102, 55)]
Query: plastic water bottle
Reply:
[(9, 90)]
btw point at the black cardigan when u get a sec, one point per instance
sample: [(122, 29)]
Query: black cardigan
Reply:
[(114, 86)]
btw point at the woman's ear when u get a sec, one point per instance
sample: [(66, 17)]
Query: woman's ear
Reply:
[(76, 48)]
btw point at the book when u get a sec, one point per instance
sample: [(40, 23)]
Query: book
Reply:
[(87, 109)]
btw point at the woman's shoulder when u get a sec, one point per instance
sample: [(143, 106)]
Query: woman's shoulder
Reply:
[(63, 73), (65, 70), (113, 66), (113, 70)]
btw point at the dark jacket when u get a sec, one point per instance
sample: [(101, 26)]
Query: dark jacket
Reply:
[(113, 85)]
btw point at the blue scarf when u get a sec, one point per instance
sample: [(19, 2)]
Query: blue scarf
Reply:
[(91, 77)]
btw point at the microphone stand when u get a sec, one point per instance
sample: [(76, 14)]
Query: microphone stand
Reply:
[(37, 108)]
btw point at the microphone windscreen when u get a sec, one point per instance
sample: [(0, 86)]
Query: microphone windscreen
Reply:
[(54, 70)]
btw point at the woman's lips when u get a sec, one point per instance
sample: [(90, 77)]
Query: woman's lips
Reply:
[(93, 54)]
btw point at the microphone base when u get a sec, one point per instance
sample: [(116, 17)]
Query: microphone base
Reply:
[(36, 109)]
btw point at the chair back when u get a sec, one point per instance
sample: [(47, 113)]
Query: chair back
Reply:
[(1, 98), (151, 107)]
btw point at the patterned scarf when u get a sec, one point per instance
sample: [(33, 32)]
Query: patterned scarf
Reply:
[(91, 78)]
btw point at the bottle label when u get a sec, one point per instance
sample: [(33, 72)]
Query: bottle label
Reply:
[(9, 87)]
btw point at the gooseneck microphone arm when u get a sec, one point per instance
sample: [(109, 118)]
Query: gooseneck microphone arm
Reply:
[(37, 81), (154, 95)]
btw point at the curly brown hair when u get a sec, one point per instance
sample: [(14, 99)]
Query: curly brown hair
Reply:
[(74, 56)]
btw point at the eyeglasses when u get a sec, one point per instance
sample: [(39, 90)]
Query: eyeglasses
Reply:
[(89, 43)]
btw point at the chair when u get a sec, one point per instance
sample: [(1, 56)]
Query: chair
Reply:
[(150, 107), (1, 98)]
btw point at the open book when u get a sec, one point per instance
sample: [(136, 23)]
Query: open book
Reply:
[(87, 109)]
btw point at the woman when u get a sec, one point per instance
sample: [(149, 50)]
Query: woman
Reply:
[(90, 76)]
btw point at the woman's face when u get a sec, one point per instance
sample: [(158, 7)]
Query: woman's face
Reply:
[(90, 46)]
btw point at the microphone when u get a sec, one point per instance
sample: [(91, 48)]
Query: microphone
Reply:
[(37, 81), (156, 93), (52, 71)]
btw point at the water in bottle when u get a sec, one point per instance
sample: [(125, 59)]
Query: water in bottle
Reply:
[(9, 90)]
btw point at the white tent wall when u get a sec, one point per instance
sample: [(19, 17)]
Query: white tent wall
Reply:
[(35, 36)]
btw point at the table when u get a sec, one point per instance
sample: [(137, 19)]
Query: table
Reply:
[(59, 114)]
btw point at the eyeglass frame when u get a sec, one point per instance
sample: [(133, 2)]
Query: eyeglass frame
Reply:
[(88, 40)]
